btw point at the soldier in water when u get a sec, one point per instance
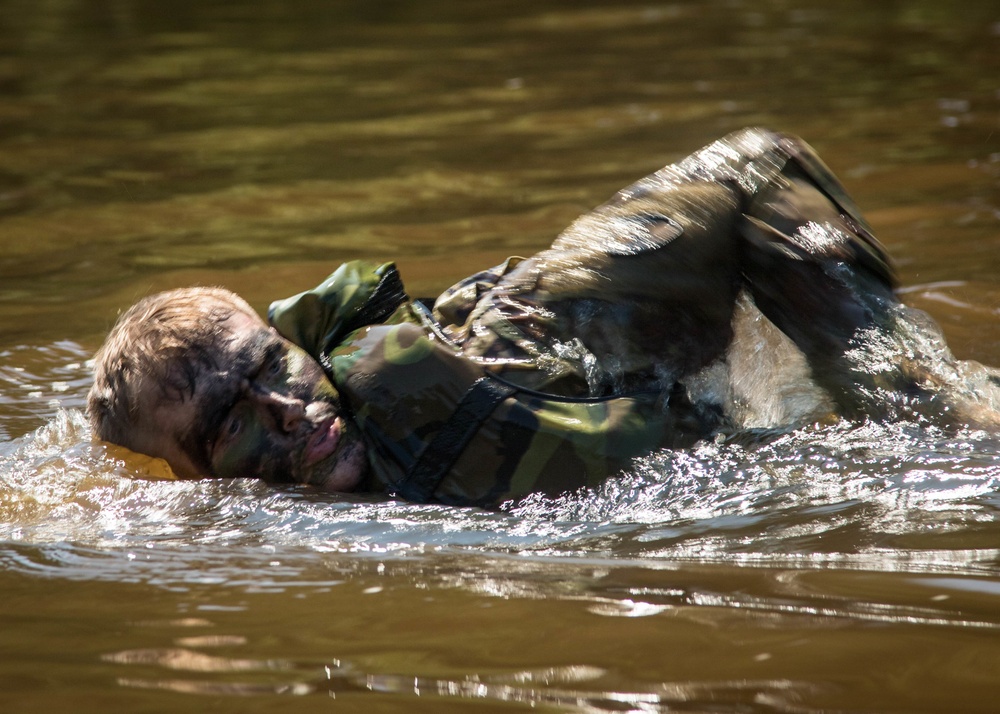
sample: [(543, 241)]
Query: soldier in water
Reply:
[(682, 308)]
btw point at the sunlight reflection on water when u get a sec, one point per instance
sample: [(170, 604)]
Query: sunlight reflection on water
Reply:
[(872, 494)]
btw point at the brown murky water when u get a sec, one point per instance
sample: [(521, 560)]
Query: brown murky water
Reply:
[(257, 145)]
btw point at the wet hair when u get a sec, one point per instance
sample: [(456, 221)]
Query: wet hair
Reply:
[(162, 342)]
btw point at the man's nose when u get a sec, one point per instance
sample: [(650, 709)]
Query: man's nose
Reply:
[(288, 411)]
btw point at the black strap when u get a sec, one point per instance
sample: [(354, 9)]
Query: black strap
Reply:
[(441, 453)]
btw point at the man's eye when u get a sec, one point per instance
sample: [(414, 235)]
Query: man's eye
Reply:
[(232, 427)]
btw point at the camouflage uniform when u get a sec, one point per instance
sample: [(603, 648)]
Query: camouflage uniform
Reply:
[(553, 372)]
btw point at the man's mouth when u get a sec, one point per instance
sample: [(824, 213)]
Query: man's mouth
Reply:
[(323, 442)]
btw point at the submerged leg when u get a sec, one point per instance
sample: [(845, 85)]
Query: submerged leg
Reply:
[(815, 271), (801, 262)]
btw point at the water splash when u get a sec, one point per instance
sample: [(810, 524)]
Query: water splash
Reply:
[(35, 381), (872, 495), (866, 492)]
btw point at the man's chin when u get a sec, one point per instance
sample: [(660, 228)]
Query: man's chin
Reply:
[(343, 471)]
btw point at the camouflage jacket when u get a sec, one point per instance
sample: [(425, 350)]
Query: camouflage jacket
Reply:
[(553, 372), (405, 383)]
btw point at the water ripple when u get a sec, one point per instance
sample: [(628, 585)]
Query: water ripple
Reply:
[(883, 496)]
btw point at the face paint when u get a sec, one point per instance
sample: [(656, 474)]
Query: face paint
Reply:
[(268, 411), (284, 424), (246, 449)]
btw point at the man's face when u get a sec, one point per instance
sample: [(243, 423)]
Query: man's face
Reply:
[(266, 410)]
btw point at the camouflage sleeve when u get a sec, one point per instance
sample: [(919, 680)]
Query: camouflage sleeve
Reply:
[(358, 293)]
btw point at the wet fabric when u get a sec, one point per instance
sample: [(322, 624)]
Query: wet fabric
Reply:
[(403, 383), (596, 338)]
